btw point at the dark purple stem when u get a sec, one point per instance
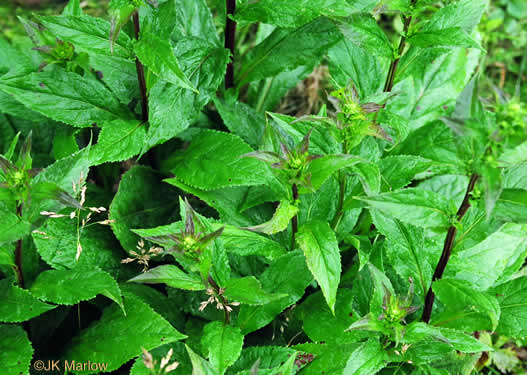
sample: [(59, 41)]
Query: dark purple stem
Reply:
[(447, 249), (140, 74)]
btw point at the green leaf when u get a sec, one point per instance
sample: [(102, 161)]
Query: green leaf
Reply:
[(213, 161), (491, 261), (322, 168), (415, 206), (115, 339), (156, 54), (204, 64), (453, 37), (288, 275), (444, 339), (69, 287), (243, 242), (7, 255), (242, 120), (247, 290), (13, 227), (399, 170), (88, 34), (269, 357), (465, 309), (194, 19), (465, 14), (364, 31), (15, 350), (199, 365), (408, 251), (72, 9), (119, 140), (223, 343), (321, 325), (56, 242), (18, 305), (512, 297), (329, 358), (141, 201), (170, 275), (284, 13), (492, 184), (280, 220), (66, 97), (348, 60), (288, 49), (512, 206), (66, 171), (320, 246), (369, 358)]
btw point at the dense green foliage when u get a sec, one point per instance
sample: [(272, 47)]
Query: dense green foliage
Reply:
[(160, 211)]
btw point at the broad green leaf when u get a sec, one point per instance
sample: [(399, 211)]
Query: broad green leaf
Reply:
[(288, 275), (56, 242), (179, 354), (329, 358), (242, 120), (414, 206), (15, 350), (284, 13), (19, 305), (429, 81), (399, 170), (223, 343), (492, 184), (465, 14), (287, 49), (66, 171), (213, 161), (492, 260), (319, 323), (142, 200), (435, 142), (243, 242), (194, 19), (465, 309), (156, 54), (170, 275), (322, 168), (369, 358), (512, 297), (248, 290), (514, 156), (115, 338), (444, 339), (453, 37), (13, 227), (204, 64), (408, 251), (199, 365), (512, 206), (280, 220), (320, 246), (69, 287), (270, 357), (7, 255), (348, 60), (88, 34), (66, 97), (119, 140), (363, 31)]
